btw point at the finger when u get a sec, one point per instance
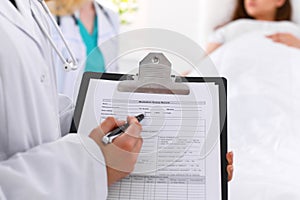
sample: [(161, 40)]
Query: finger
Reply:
[(126, 142), (132, 119), (136, 150), (110, 123), (284, 34), (270, 36), (130, 138), (135, 128), (275, 37), (230, 172), (229, 157), (138, 146)]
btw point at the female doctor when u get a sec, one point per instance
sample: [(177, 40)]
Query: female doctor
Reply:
[(35, 161), (86, 25)]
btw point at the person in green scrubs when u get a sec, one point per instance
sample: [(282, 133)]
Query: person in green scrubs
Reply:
[(95, 59)]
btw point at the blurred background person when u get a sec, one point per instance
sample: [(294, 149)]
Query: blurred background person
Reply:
[(85, 24)]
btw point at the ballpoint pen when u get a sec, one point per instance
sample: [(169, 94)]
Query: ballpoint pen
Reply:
[(108, 138)]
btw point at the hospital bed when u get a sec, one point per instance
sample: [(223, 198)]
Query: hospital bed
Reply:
[(263, 110)]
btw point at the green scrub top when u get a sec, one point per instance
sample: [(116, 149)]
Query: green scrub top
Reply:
[(95, 59)]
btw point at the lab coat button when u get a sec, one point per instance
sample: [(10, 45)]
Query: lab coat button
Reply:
[(43, 77)]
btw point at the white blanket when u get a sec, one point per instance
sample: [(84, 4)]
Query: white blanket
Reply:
[(263, 116)]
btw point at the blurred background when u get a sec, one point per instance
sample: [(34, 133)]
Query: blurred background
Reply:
[(180, 16), (194, 19)]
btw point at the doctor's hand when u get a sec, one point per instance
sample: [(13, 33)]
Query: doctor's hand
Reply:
[(286, 39), (121, 155)]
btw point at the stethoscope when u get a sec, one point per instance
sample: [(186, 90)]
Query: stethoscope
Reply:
[(67, 64)]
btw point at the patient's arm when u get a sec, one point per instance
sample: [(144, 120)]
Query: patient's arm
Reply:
[(285, 38), (211, 47)]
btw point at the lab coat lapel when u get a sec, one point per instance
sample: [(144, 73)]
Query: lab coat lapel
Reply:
[(20, 18)]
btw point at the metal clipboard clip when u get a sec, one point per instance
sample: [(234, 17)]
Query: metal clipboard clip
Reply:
[(154, 77)]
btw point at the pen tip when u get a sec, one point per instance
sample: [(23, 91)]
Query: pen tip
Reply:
[(140, 117)]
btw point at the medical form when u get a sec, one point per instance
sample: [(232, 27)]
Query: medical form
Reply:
[(176, 161)]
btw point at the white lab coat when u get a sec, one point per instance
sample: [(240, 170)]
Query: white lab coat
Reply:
[(35, 162), (108, 27)]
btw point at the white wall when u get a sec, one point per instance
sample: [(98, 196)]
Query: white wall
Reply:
[(177, 15), (184, 17)]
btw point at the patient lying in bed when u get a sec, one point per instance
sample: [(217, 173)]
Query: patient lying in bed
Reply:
[(263, 105), (284, 32), (263, 115), (264, 12)]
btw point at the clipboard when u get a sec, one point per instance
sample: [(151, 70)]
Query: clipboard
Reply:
[(175, 85)]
